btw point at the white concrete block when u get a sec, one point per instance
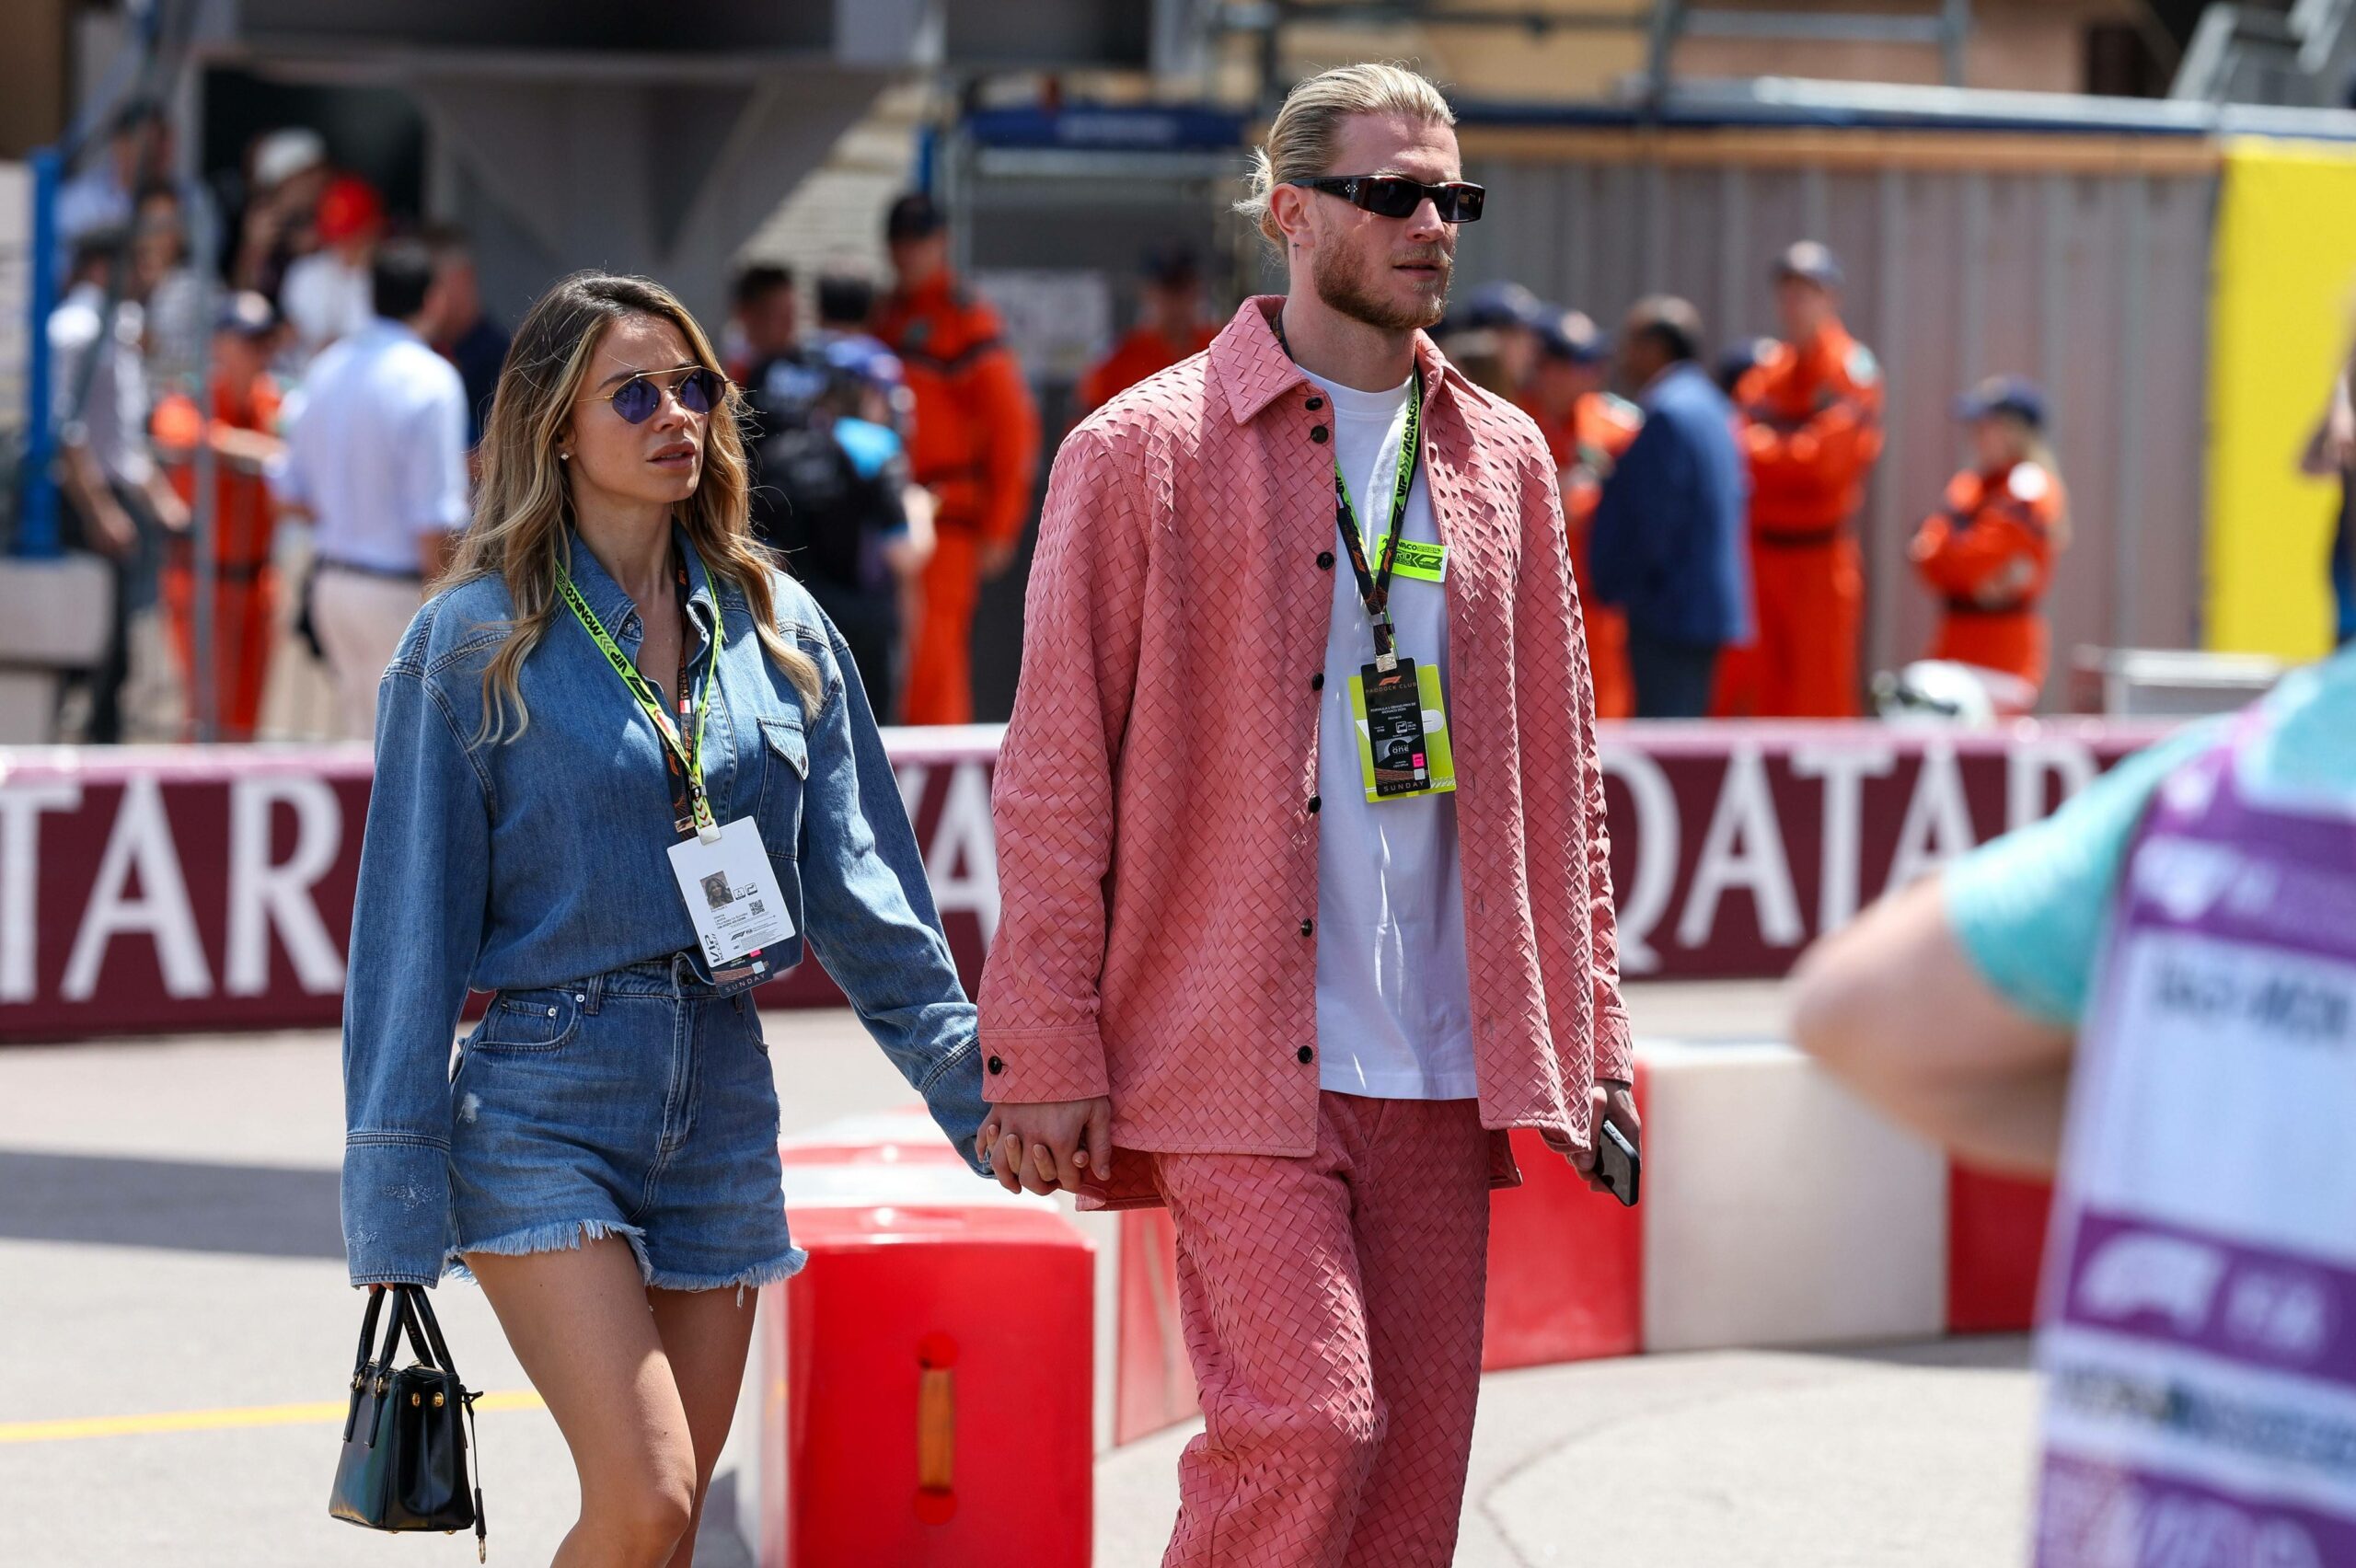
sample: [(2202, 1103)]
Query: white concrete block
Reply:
[(55, 612), (1778, 1210)]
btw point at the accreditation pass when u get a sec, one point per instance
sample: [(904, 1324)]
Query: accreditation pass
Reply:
[(732, 893)]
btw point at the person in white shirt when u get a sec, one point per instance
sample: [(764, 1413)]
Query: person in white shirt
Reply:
[(326, 295), (117, 501), (377, 457)]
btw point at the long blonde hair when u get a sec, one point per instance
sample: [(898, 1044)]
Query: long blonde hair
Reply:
[(521, 532), (1300, 142)]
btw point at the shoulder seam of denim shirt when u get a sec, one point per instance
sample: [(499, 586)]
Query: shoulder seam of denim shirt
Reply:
[(468, 749), (488, 637)]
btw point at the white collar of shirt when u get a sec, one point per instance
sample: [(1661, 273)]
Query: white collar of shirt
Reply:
[(1349, 403)]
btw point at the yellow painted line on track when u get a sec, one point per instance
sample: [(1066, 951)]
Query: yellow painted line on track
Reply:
[(324, 1410)]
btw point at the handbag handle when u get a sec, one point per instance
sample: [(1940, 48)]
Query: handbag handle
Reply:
[(423, 1316)]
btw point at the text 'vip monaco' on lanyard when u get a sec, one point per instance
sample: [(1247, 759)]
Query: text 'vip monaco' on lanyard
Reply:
[(1374, 585), (685, 750)]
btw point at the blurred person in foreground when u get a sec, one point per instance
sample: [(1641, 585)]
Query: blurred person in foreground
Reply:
[(554, 822), (242, 427), (376, 458), (1988, 551), (1244, 968), (829, 481), (464, 333), (1667, 537), (2331, 454), (326, 295), (974, 446), (1811, 413), (2153, 992), (118, 504), (1171, 325), (1588, 429)]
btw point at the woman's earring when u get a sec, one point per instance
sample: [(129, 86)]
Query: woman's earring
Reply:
[(565, 456)]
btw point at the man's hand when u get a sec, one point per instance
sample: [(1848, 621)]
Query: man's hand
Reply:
[(1610, 1101), (995, 558), (1041, 1146), (111, 529)]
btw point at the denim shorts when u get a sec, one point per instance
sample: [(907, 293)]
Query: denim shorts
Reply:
[(637, 1103)]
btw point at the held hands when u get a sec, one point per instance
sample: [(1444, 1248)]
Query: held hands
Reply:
[(1611, 1101), (1038, 1147)]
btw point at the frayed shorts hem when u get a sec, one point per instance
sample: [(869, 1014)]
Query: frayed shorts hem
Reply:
[(567, 1236)]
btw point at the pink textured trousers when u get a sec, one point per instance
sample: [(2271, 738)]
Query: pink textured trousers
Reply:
[(1332, 1307)]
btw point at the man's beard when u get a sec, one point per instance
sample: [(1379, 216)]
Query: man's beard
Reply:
[(1341, 281)]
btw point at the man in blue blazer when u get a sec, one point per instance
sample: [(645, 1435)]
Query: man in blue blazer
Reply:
[(1669, 544)]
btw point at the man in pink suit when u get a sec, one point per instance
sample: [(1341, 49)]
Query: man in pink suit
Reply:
[(1306, 890)]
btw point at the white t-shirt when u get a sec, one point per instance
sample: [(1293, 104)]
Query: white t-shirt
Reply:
[(1394, 1012)]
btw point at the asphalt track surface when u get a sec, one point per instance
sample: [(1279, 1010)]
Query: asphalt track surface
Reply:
[(174, 1329)]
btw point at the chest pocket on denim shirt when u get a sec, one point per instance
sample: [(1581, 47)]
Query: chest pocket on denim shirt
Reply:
[(785, 769)]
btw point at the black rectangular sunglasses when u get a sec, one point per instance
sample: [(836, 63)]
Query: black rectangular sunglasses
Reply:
[(1396, 196)]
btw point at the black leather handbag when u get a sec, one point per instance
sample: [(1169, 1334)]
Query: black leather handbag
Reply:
[(404, 1461)]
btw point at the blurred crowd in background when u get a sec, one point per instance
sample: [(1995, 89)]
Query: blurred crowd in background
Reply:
[(1710, 490)]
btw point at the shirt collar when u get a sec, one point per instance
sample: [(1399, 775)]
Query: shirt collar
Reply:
[(1251, 369), (613, 607)]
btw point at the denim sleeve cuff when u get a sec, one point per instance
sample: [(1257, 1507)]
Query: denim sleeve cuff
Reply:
[(1026, 1066), (953, 1093), (395, 1207)]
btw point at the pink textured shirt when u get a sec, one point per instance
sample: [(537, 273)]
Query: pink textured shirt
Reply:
[(1155, 846)]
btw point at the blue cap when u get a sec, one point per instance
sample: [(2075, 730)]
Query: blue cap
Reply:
[(2014, 395), (1571, 336), (1811, 260), (248, 314), (867, 359), (1499, 304)]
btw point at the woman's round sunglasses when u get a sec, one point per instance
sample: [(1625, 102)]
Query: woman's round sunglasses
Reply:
[(1396, 196), (697, 389)]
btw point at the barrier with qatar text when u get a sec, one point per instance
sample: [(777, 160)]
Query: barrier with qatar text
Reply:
[(145, 890)]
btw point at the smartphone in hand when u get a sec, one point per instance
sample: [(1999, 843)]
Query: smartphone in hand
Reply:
[(1617, 1164)]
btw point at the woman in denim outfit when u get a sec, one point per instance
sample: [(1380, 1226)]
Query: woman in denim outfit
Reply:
[(604, 1158)]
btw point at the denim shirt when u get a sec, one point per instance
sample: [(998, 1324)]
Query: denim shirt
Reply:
[(543, 859)]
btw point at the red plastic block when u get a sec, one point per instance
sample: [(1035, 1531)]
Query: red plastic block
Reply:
[(1567, 1279), (924, 1415), (1995, 1243)]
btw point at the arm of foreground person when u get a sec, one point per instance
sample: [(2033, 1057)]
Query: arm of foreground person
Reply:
[(1953, 1005), (1893, 1006)]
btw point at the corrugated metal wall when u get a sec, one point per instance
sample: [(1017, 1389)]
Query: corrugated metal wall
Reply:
[(2080, 262)]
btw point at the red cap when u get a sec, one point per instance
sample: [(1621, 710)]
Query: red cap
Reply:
[(349, 207)]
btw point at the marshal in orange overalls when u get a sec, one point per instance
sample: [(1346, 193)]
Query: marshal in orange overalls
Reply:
[(1812, 428), (1586, 444), (1989, 554), (1145, 350), (245, 602), (975, 447)]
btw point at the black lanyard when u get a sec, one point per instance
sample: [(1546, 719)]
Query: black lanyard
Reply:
[(1374, 582), (1374, 585)]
